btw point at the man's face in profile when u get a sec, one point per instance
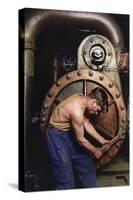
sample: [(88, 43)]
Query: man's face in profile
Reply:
[(94, 107)]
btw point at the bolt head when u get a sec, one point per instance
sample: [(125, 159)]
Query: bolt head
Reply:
[(50, 93), (90, 73), (58, 83), (123, 120), (43, 119), (122, 107), (109, 54), (43, 114), (68, 76), (118, 95), (101, 78), (110, 84), (45, 106), (91, 41), (100, 68), (79, 73)]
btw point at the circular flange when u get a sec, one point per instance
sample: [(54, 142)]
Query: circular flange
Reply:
[(103, 82), (97, 52)]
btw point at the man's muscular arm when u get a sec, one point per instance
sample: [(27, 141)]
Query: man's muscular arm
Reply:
[(91, 130), (77, 123)]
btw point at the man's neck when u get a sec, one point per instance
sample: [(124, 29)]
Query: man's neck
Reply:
[(84, 102)]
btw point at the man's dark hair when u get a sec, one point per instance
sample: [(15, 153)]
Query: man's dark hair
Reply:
[(101, 96)]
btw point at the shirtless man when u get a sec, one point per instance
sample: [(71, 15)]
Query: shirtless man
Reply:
[(68, 149)]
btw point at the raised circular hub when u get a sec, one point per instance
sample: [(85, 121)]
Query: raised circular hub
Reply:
[(97, 52)]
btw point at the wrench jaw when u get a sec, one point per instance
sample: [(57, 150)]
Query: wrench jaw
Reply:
[(108, 154), (120, 136), (110, 149), (122, 133)]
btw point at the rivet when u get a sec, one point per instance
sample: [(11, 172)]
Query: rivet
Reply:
[(90, 73), (101, 77), (123, 120), (79, 73), (43, 114), (122, 107), (100, 68), (68, 76), (45, 106), (109, 54), (58, 83), (50, 93), (91, 40), (123, 128), (118, 95), (43, 119), (110, 84)]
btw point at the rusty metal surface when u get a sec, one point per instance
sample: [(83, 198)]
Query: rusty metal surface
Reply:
[(105, 83), (108, 120)]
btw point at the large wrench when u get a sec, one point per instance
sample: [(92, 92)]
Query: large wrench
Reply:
[(119, 136)]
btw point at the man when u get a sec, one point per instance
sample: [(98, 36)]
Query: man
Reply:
[(67, 147)]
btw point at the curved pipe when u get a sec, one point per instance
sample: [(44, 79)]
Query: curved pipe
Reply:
[(103, 23)]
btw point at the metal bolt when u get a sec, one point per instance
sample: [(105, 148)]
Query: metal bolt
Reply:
[(58, 83), (91, 40), (118, 95), (79, 73), (43, 114), (123, 120), (90, 73), (68, 76), (45, 106), (43, 119), (123, 128), (101, 77), (109, 54), (110, 84), (122, 107), (50, 93), (100, 68)]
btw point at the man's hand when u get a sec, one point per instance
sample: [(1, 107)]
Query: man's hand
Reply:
[(105, 147), (98, 153), (104, 141)]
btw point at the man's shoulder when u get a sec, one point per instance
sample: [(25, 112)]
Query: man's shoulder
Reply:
[(76, 110), (78, 94)]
